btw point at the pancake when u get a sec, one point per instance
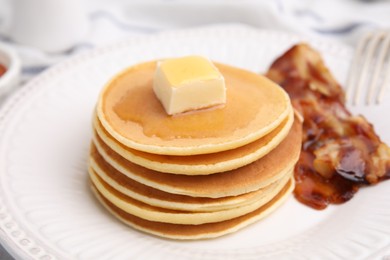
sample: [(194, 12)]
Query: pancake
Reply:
[(203, 231), (251, 177), (198, 164), (130, 112), (152, 213), (166, 200)]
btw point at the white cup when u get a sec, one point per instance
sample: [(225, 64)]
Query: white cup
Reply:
[(49, 25)]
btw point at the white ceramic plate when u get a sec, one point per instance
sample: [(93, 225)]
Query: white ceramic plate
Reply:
[(47, 210)]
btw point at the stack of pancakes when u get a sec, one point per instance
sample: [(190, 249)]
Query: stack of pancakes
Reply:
[(200, 174)]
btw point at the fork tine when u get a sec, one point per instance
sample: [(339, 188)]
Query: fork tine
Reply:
[(367, 61), (386, 81), (351, 80), (378, 67)]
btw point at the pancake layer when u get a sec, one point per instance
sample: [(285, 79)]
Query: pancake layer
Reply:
[(202, 164), (152, 213), (245, 179), (157, 198), (202, 231), (132, 114)]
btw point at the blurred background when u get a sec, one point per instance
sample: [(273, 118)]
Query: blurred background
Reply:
[(44, 32)]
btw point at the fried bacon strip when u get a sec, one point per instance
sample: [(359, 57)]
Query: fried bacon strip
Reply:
[(340, 152)]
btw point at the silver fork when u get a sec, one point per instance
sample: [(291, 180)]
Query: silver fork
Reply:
[(370, 69)]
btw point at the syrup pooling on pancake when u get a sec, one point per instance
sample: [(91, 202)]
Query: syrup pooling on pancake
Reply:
[(254, 107)]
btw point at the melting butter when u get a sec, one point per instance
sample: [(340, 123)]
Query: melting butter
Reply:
[(188, 83)]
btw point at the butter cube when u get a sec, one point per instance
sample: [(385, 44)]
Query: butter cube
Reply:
[(188, 83)]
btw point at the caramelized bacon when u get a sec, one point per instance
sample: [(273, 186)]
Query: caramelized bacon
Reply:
[(340, 152)]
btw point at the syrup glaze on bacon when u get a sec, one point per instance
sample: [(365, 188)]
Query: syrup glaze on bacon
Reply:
[(340, 152)]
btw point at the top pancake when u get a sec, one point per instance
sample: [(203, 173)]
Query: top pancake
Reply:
[(129, 110)]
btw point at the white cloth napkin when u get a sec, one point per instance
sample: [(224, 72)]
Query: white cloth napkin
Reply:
[(110, 21)]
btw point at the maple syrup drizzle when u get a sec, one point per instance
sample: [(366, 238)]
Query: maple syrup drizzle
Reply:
[(130, 101)]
